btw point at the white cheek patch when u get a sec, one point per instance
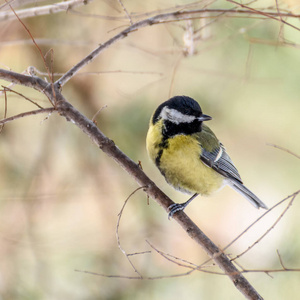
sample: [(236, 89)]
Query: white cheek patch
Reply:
[(175, 116)]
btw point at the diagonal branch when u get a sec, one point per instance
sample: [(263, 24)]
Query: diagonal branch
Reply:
[(66, 110)]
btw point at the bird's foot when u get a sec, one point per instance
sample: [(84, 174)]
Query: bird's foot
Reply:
[(175, 208), (179, 206)]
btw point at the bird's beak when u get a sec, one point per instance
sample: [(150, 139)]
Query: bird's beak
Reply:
[(204, 118)]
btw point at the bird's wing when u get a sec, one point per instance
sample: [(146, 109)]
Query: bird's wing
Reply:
[(215, 156), (220, 161)]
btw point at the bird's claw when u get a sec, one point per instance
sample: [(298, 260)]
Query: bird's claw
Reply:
[(173, 208)]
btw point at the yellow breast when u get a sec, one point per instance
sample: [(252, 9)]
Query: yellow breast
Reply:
[(180, 162)]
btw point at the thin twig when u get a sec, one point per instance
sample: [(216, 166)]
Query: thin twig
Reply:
[(135, 277), (118, 235), (39, 50), (21, 95), (285, 149), (282, 23), (184, 8), (176, 260), (271, 270), (260, 218), (160, 19), (268, 15), (266, 271), (272, 227), (280, 260), (28, 113), (252, 224), (98, 112), (126, 12), (63, 6), (5, 110)]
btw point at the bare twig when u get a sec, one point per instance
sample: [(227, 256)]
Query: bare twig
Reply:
[(160, 19), (21, 95), (195, 267), (5, 110), (285, 149), (134, 277), (272, 227), (98, 112), (127, 72), (282, 23), (267, 271), (28, 113), (211, 12), (186, 264), (18, 3), (63, 6), (266, 14), (126, 12), (118, 235), (40, 51), (260, 218), (280, 260), (176, 260)]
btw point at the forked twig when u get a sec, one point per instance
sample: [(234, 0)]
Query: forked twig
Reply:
[(176, 16), (261, 217), (272, 227), (126, 12), (118, 235), (21, 95), (266, 14)]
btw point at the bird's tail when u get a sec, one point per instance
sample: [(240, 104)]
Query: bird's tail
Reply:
[(239, 187)]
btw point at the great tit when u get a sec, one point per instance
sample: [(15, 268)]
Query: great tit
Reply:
[(189, 155)]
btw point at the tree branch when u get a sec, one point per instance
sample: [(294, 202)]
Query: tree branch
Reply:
[(66, 110), (43, 10), (163, 18)]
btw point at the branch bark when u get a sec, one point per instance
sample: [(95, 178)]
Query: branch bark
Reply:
[(42, 10), (66, 110)]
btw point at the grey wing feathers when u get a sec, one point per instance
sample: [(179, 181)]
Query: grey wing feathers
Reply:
[(254, 200), (220, 161)]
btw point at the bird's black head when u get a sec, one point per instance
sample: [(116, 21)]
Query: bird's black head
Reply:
[(181, 115)]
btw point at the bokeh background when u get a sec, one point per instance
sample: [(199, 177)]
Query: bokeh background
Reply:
[(60, 195)]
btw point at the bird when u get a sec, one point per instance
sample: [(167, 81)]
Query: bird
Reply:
[(189, 155)]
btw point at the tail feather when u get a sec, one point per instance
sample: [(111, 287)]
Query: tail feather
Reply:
[(254, 200)]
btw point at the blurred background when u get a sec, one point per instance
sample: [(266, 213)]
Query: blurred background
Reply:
[(60, 196)]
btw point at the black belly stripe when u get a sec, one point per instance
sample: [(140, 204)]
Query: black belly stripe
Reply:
[(163, 145)]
